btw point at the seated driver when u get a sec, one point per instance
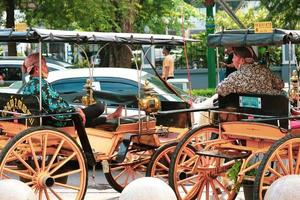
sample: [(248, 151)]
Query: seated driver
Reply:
[(250, 77), (53, 103)]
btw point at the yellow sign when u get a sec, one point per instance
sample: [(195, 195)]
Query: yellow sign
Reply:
[(263, 27), (20, 27)]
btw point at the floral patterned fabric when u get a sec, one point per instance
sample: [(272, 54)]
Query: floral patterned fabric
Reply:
[(251, 78), (51, 101)]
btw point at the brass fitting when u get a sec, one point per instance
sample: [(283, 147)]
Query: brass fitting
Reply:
[(88, 99)]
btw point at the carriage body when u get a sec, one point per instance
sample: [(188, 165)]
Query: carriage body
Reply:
[(254, 138)]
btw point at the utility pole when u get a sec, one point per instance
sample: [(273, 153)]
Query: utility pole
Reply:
[(211, 54)]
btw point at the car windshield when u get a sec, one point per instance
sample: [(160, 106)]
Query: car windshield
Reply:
[(158, 83), (119, 85)]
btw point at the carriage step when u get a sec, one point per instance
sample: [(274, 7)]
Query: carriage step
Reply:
[(123, 148), (228, 154)]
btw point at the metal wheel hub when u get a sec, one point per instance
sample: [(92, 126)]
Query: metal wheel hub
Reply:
[(45, 180)]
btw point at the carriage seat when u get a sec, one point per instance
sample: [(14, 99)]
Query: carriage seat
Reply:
[(258, 104), (26, 104), (19, 103)]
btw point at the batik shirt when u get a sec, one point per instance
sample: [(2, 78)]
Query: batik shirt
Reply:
[(251, 78), (51, 101)]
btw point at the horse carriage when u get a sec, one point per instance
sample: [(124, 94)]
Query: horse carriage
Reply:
[(260, 145), (49, 159)]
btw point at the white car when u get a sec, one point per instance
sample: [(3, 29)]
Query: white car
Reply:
[(121, 81), (11, 68)]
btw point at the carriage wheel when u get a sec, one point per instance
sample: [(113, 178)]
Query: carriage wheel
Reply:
[(282, 159), (37, 156), (182, 176), (134, 166), (159, 164)]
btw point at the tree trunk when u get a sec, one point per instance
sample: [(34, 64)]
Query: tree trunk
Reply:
[(119, 55), (10, 23), (116, 55)]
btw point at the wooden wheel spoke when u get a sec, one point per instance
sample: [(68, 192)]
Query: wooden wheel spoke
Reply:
[(44, 150), (4, 175), (141, 164), (161, 175), (281, 164), (214, 190), (19, 173), (139, 173), (55, 194), (274, 172), (47, 194), (183, 188), (120, 174), (40, 194), (201, 190), (55, 155), (126, 181), (23, 162), (132, 175), (290, 157), (67, 173), (34, 155), (193, 190), (207, 190), (265, 187), (167, 157), (297, 162), (62, 163), (190, 161), (163, 166), (29, 183), (183, 156), (112, 169), (222, 186), (67, 186), (188, 179)]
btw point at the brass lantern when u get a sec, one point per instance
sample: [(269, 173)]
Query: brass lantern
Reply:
[(150, 103)]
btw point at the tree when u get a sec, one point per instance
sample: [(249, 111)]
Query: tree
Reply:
[(283, 14), (224, 21), (106, 15)]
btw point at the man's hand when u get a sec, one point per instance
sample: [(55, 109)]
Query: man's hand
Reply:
[(82, 115), (222, 64)]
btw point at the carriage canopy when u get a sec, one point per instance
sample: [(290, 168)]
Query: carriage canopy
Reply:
[(248, 37), (34, 35)]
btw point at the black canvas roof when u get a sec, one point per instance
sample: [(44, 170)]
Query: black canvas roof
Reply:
[(34, 35), (247, 37)]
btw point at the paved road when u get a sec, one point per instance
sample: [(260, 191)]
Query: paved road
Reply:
[(99, 189)]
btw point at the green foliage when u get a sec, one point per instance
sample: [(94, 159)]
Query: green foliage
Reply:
[(89, 15), (107, 15), (283, 14), (81, 63), (204, 92), (233, 172), (224, 21), (196, 51)]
